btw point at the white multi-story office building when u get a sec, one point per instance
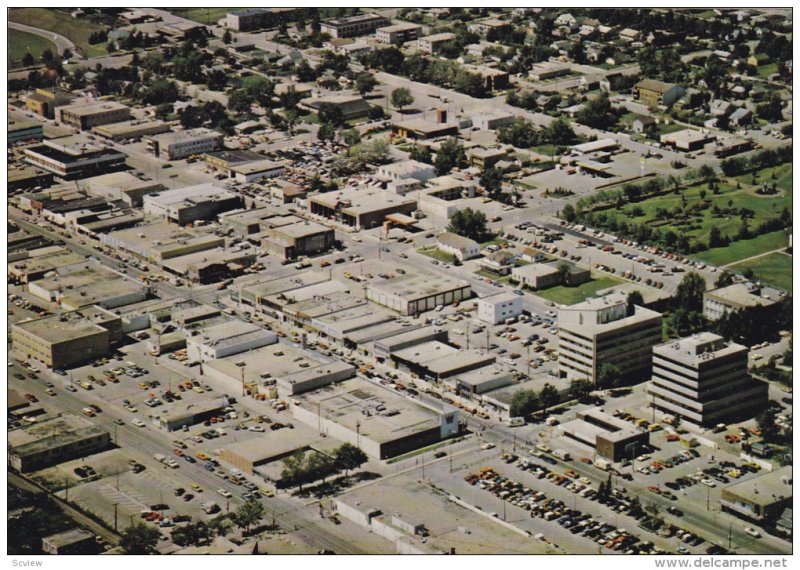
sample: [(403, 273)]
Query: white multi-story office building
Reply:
[(603, 331), (703, 379), (498, 308)]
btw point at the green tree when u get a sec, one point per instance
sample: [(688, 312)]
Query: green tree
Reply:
[(365, 83), (725, 278), (401, 98), (248, 515), (689, 294), (421, 153), (239, 101), (579, 389), (492, 181), (449, 155), (469, 223), (559, 133), (326, 132), (227, 37), (47, 57), (192, 534), (597, 113), (634, 298), (766, 423), (348, 456), (608, 376), (524, 402), (568, 213), (27, 59), (549, 396), (351, 137), (139, 539)]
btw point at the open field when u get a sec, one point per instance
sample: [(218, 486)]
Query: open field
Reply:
[(695, 210), (773, 269), (570, 295), (744, 248), (76, 30), (20, 43), (203, 15)]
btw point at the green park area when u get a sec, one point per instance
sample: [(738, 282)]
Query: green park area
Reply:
[(77, 30), (566, 295), (694, 211), (203, 15), (435, 253), (772, 269), (20, 43)]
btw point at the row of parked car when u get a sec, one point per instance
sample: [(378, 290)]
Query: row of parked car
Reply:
[(551, 509)]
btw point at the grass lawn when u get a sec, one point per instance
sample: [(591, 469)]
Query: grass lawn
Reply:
[(436, 253), (20, 43), (203, 15), (664, 128), (571, 295), (494, 277), (494, 241), (744, 249), (76, 30), (773, 269), (668, 212), (765, 71)]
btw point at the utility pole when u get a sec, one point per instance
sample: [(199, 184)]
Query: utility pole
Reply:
[(115, 517), (66, 489)]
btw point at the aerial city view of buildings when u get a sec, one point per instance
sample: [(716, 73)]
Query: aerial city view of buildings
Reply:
[(399, 281)]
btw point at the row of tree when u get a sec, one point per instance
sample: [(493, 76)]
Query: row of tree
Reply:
[(300, 467)]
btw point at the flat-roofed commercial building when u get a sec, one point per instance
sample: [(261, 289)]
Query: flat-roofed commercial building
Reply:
[(257, 18), (407, 169), (85, 115), (352, 106), (121, 186), (298, 238), (21, 129), (178, 145), (55, 449), (734, 297), (545, 275), (436, 360), (601, 331), (548, 70), (415, 293), (68, 339), (43, 102), (363, 208), (135, 129), (373, 418), (70, 157), (432, 44), (422, 129), (37, 267), (192, 203), (73, 541), (704, 380), (28, 177), (226, 339), (190, 414), (398, 33), (761, 499), (315, 377), (359, 25), (160, 241), (497, 308), (493, 79), (687, 139), (481, 380), (610, 437), (89, 284), (385, 347), (257, 170)]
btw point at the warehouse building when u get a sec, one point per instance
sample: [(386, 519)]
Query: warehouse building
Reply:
[(86, 115), (385, 347), (254, 455), (190, 414), (363, 208), (192, 203), (611, 438), (181, 144), (414, 293), (257, 170), (52, 449), (480, 380), (687, 140), (436, 360), (37, 267), (66, 340), (297, 238), (316, 377), (160, 241), (121, 187), (84, 285), (72, 157), (21, 129), (601, 331), (128, 130), (704, 380), (352, 106), (373, 418), (226, 339), (761, 499), (359, 25), (398, 33), (211, 266)]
